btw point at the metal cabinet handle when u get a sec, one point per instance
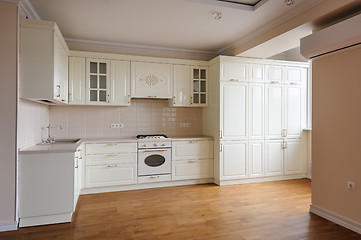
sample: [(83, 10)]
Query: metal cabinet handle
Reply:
[(294, 83), (274, 82), (111, 155), (160, 150), (112, 166), (221, 147), (152, 96), (191, 100), (154, 177), (128, 99), (191, 161), (234, 80), (221, 134), (192, 141), (77, 162), (173, 100)]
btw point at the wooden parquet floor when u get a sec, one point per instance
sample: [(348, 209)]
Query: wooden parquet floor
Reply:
[(259, 211)]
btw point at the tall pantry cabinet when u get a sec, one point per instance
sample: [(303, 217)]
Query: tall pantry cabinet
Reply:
[(257, 113)]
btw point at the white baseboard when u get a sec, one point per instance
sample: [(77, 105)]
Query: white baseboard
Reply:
[(8, 226), (145, 186), (45, 220), (258, 180), (338, 219)]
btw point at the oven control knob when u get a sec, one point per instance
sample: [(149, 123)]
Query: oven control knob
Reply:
[(154, 145), (163, 144)]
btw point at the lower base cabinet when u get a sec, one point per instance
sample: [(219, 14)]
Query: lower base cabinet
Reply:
[(192, 169), (274, 158), (256, 158), (234, 160), (295, 156), (111, 175)]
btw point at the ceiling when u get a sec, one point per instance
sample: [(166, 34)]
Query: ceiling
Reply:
[(184, 25)]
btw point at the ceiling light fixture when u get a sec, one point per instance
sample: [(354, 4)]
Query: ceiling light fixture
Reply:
[(289, 2), (217, 15)]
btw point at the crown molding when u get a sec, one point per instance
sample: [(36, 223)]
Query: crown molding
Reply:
[(141, 49), (10, 1), (29, 10), (267, 27)]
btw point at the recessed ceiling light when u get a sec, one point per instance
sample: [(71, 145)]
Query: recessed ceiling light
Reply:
[(217, 15), (288, 2)]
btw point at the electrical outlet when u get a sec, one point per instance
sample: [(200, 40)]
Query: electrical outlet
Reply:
[(189, 125), (116, 125), (185, 125), (351, 185)]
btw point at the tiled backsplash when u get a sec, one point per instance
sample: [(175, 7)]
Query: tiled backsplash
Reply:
[(142, 117), (33, 119)]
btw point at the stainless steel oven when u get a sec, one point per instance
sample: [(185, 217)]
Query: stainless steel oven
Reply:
[(154, 157)]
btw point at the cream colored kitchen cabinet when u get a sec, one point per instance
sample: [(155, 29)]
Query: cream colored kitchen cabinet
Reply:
[(256, 111), (295, 75), (78, 173), (295, 110), (274, 158), (295, 156), (234, 160), (274, 74), (48, 187), (120, 83), (256, 73), (192, 150), (43, 62), (256, 158), (151, 80), (275, 111), (97, 82), (181, 86), (199, 96), (192, 159), (233, 71), (234, 111), (110, 164), (192, 169), (76, 81)]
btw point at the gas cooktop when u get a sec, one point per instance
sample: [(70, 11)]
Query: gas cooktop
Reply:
[(152, 136)]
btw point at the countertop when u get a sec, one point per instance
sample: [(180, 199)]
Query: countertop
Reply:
[(71, 147)]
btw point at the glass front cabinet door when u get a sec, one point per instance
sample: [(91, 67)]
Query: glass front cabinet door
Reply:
[(199, 96), (97, 82)]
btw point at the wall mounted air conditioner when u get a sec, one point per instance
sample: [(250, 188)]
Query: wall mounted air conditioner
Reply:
[(341, 35)]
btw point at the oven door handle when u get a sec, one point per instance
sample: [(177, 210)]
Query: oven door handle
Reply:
[(160, 150)]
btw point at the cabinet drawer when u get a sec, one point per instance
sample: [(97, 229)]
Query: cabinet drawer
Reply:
[(155, 178), (103, 159), (190, 150), (192, 169), (111, 148), (110, 175)]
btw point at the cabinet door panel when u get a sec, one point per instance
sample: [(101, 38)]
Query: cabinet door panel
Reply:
[(295, 76), (274, 74), (181, 85), (190, 150), (111, 175), (295, 117), (295, 157), (151, 80), (77, 80), (234, 160), (120, 83), (256, 73), (110, 148), (232, 71), (234, 122), (274, 158), (97, 82), (256, 159), (274, 111), (192, 169), (256, 111)]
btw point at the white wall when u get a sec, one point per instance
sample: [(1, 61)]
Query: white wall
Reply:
[(8, 107)]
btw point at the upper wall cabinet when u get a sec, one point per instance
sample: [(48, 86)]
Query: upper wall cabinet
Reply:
[(181, 86), (234, 72), (120, 83), (97, 81), (151, 80), (76, 80), (199, 96), (43, 62)]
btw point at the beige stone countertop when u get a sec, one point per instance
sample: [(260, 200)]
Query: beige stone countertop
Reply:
[(188, 138), (71, 147)]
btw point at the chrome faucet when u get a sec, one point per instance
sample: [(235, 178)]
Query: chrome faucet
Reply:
[(52, 139)]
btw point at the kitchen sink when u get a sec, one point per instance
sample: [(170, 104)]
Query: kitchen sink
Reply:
[(63, 141)]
